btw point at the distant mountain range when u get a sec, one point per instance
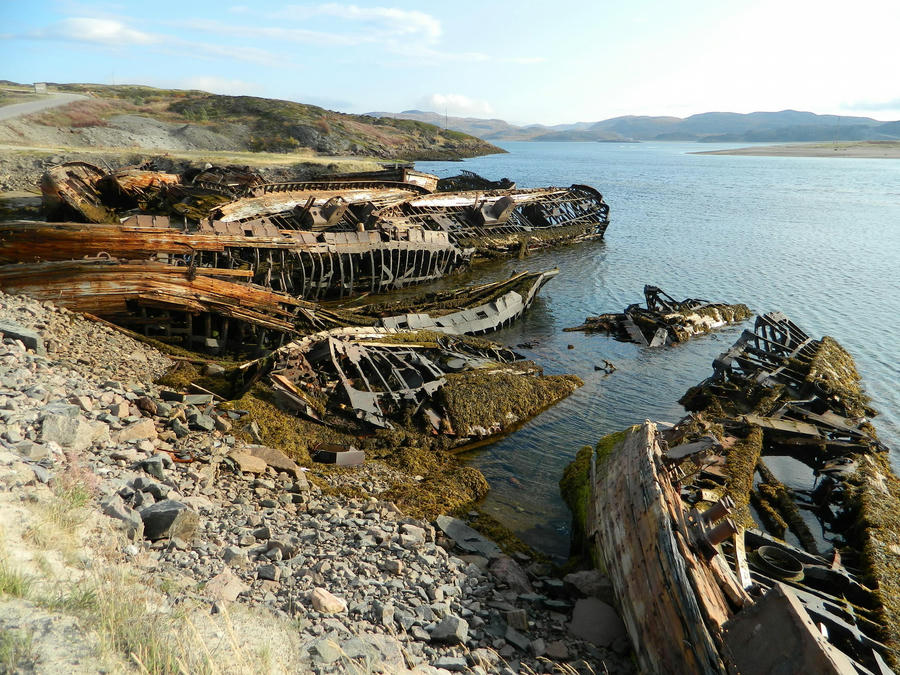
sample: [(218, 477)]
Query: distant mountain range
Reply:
[(713, 127)]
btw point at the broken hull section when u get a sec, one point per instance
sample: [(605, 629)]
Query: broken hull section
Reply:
[(371, 378), (700, 595), (665, 321)]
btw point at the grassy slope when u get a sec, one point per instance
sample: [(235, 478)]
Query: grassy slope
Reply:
[(273, 125)]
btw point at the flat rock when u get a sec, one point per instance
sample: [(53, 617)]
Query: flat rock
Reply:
[(275, 458), (225, 587), (597, 622), (247, 463), (30, 338), (139, 431), (467, 538)]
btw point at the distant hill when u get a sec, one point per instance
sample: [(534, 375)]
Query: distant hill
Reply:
[(127, 115), (775, 127)]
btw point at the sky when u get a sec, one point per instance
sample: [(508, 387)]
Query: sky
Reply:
[(522, 61)]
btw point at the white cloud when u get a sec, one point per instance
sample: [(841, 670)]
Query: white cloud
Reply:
[(456, 104), (221, 85), (387, 21), (106, 32)]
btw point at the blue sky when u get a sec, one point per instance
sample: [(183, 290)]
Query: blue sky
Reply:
[(548, 62)]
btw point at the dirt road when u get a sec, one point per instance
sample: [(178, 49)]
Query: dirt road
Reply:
[(30, 107)]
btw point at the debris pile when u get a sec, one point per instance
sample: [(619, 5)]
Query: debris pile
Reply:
[(665, 321)]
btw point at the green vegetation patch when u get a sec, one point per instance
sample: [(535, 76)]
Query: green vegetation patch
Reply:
[(874, 497), (575, 486), (500, 396)]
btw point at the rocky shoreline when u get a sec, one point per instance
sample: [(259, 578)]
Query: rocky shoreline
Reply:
[(245, 559)]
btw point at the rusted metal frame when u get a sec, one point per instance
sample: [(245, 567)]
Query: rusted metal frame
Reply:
[(372, 263)]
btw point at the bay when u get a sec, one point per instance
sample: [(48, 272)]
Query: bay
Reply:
[(816, 238)]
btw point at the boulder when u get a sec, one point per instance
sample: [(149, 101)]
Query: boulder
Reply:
[(326, 603), (452, 629), (597, 622), (276, 459), (169, 518)]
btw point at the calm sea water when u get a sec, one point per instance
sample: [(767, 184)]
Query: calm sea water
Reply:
[(816, 238)]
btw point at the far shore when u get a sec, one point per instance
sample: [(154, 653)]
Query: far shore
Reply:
[(860, 149)]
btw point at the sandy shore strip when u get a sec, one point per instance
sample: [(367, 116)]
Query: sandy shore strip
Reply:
[(858, 149)]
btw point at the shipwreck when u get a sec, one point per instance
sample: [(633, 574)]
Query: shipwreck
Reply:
[(664, 320), (219, 256), (360, 380), (719, 564)]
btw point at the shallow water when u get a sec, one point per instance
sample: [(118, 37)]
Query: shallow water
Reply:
[(817, 238)]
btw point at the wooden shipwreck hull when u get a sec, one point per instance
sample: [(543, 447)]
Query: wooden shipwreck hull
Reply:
[(664, 320), (381, 378), (700, 595), (701, 592)]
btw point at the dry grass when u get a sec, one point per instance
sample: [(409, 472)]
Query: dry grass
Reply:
[(16, 651)]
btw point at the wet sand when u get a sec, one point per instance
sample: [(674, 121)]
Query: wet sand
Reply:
[(860, 149)]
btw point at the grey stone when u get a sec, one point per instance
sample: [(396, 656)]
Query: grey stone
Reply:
[(31, 450), (69, 432), (597, 622), (452, 663), (517, 618), (325, 650), (115, 507), (516, 638), (467, 538), (30, 338), (153, 466), (591, 583), (201, 422), (169, 518), (234, 556), (451, 629), (180, 428), (509, 572), (270, 572)]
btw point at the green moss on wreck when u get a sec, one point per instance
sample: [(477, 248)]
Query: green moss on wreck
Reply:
[(575, 488), (874, 498), (483, 399), (833, 371), (740, 466)]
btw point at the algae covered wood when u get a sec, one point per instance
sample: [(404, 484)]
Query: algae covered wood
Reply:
[(644, 558)]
